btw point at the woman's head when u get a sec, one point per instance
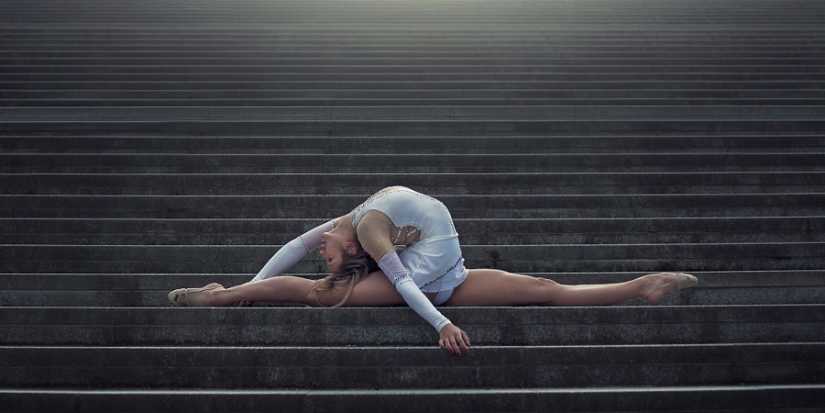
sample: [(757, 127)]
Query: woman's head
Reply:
[(351, 269), (337, 244), (349, 264)]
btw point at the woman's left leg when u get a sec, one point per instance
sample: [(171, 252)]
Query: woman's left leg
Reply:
[(277, 289), (495, 287), (374, 290)]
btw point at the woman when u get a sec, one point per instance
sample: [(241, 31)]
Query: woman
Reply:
[(429, 272)]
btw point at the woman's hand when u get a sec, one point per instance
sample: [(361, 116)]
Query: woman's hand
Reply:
[(453, 339)]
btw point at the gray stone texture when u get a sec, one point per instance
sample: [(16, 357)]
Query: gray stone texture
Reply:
[(146, 146)]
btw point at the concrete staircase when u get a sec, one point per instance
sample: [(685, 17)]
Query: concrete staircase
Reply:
[(150, 145)]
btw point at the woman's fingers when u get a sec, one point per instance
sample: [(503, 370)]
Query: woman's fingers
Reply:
[(454, 346), (445, 344), (465, 341), (454, 340)]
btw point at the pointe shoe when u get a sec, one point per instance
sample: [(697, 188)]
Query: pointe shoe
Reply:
[(174, 296), (680, 280)]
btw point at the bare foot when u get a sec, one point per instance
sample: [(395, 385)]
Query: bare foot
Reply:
[(663, 283)]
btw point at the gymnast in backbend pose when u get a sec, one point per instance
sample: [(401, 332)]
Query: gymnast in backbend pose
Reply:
[(428, 273)]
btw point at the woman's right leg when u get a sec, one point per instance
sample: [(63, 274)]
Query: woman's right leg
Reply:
[(494, 287)]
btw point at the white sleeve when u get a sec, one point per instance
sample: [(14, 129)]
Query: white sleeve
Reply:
[(293, 251), (400, 277)]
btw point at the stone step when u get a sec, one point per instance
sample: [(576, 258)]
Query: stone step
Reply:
[(600, 16), (98, 231), (753, 99), (322, 207), (464, 39), (778, 143), (696, 59), (308, 40), (64, 123), (738, 398), (184, 163), (500, 96), (85, 53), (500, 183), (515, 91), (349, 368), (759, 287), (630, 8), (515, 258), (436, 16), (437, 85), (307, 29), (750, 99), (556, 71), (395, 114), (326, 32), (779, 24), (486, 326), (365, 88), (323, 34), (592, 72)]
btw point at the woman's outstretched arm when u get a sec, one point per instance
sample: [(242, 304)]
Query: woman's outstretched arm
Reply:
[(293, 251)]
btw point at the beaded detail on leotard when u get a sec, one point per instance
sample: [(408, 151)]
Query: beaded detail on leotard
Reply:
[(357, 215), (431, 279)]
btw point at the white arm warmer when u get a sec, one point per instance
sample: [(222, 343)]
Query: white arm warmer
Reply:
[(293, 251), (395, 271)]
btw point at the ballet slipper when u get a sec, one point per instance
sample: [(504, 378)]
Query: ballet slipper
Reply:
[(680, 281), (184, 293)]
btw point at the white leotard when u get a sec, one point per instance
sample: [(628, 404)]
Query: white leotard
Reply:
[(422, 223)]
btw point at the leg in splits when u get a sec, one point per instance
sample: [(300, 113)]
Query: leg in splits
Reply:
[(484, 287), (495, 287), (375, 290)]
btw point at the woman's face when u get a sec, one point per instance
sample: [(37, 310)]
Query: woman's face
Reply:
[(332, 249)]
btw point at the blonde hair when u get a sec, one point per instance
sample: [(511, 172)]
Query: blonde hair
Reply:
[(353, 269)]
